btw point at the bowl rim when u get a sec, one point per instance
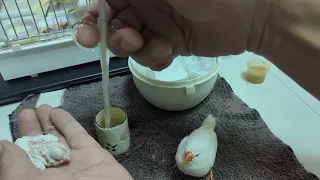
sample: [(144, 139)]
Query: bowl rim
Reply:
[(175, 84)]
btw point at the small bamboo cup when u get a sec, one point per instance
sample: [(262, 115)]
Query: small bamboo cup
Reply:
[(117, 138)]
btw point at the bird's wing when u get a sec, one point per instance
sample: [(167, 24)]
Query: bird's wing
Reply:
[(206, 140), (183, 142), (203, 137)]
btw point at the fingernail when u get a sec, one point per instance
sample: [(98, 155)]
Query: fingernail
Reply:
[(160, 52), (112, 29), (167, 51), (115, 25), (129, 47)]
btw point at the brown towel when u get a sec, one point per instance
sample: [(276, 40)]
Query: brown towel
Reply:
[(247, 149)]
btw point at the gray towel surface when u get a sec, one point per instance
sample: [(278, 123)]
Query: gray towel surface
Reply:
[(29, 102), (247, 149)]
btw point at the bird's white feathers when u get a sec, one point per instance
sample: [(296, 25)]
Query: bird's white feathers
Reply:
[(203, 144), (44, 150), (209, 122)]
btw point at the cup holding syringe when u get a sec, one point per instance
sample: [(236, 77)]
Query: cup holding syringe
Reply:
[(116, 138)]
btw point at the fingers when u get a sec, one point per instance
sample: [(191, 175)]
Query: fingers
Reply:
[(154, 52), (123, 36), (191, 9), (75, 135), (43, 112), (124, 42), (29, 124), (160, 66), (87, 34), (112, 7), (14, 160)]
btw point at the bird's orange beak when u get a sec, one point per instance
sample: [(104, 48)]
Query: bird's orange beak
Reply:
[(188, 156)]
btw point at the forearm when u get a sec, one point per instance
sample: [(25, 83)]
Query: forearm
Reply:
[(290, 38)]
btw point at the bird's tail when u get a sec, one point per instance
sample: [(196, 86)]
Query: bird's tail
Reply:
[(209, 121)]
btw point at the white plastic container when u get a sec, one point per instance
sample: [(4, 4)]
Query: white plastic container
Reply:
[(178, 95)]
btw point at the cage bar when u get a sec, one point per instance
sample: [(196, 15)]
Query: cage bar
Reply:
[(65, 12), (4, 31), (24, 24), (9, 17), (55, 15), (34, 20), (44, 16), (36, 34)]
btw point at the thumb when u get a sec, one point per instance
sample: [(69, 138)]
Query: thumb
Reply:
[(190, 9), (13, 157)]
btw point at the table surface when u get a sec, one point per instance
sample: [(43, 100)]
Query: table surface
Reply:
[(291, 113)]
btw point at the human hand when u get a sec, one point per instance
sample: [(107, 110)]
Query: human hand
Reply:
[(155, 32), (88, 159)]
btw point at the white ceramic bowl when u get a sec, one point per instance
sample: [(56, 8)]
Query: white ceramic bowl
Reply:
[(175, 96)]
